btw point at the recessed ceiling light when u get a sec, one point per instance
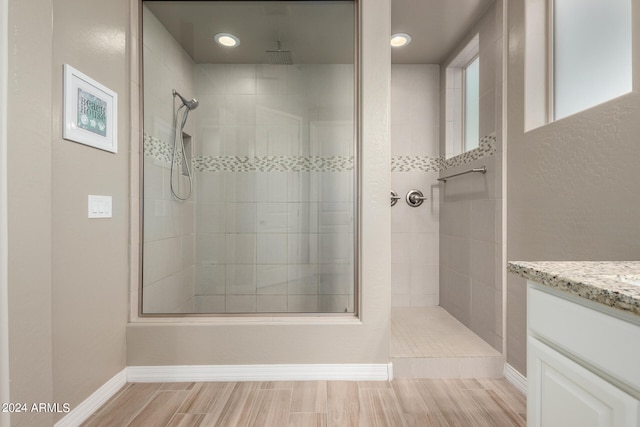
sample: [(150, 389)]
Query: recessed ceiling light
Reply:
[(400, 39), (226, 39)]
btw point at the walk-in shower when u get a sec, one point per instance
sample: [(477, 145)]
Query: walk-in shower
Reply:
[(249, 203)]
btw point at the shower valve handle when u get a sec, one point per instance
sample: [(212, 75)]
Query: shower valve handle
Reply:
[(415, 198), (394, 198)]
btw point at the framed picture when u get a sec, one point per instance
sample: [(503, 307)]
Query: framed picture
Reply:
[(90, 111)]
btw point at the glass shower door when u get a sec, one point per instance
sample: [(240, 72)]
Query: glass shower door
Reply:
[(269, 226)]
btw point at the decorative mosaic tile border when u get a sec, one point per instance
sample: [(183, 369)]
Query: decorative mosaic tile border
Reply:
[(156, 149), (273, 164), (159, 150), (487, 147), (416, 164)]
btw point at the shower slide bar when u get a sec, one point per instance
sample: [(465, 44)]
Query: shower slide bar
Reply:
[(482, 170)]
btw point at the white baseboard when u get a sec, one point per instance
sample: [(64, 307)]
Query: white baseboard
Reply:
[(518, 380), (346, 372), (91, 404)]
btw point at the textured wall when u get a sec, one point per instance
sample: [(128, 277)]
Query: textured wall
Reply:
[(90, 258), (29, 208), (415, 107), (471, 242), (572, 185), (68, 294)]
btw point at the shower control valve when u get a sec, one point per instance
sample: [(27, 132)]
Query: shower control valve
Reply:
[(415, 198), (394, 198)]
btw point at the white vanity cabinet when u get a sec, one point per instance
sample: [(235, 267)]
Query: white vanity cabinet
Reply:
[(583, 362)]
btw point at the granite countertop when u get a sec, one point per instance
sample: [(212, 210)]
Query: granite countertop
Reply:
[(605, 282)]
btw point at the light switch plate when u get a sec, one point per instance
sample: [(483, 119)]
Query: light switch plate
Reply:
[(100, 206)]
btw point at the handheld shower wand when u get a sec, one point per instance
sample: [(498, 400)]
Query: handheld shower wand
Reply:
[(180, 150)]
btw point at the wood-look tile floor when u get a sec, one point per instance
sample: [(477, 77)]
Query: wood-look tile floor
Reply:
[(403, 402)]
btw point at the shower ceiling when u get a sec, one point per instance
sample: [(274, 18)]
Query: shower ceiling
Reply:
[(435, 26), (310, 30), (313, 32)]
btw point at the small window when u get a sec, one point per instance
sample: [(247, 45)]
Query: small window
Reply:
[(463, 100), (472, 105), (591, 53), (577, 55)]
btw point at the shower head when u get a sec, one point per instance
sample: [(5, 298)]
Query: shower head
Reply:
[(279, 57), (190, 104), (193, 104)]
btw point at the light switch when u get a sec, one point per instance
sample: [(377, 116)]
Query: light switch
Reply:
[(100, 206)]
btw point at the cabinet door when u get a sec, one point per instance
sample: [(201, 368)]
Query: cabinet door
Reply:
[(562, 393)]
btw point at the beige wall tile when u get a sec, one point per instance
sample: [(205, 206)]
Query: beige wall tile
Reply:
[(272, 303), (470, 213)]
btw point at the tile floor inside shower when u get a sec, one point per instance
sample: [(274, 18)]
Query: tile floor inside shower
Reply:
[(428, 342)]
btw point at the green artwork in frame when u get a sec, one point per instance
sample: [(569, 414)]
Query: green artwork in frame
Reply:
[(90, 111)]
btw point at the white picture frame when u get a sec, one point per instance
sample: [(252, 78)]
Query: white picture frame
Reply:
[(90, 111)]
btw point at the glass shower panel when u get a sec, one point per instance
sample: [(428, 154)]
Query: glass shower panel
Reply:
[(269, 226)]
